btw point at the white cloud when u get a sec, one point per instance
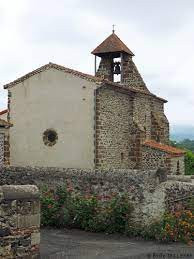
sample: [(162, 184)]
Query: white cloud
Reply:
[(160, 33)]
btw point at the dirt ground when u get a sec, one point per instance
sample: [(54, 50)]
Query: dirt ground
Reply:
[(58, 244)]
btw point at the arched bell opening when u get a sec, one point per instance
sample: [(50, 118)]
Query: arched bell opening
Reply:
[(117, 70)]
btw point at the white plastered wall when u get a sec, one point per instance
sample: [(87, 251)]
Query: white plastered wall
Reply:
[(57, 100)]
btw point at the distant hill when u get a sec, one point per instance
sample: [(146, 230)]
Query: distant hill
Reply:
[(180, 132)]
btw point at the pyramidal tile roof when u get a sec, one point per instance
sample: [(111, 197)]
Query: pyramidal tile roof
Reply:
[(163, 147), (112, 44)]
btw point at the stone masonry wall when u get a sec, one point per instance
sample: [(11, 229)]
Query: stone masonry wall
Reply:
[(160, 124), (130, 74), (113, 120), (19, 221), (142, 113), (149, 113), (99, 182), (148, 190), (6, 148), (105, 69), (152, 158), (177, 194), (177, 165), (123, 123)]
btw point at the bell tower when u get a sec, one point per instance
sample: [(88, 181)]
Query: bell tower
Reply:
[(116, 59)]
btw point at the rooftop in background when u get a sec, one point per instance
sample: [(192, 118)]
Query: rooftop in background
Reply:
[(165, 148), (3, 112), (112, 44)]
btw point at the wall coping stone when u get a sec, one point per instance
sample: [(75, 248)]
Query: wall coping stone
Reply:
[(181, 178), (19, 192)]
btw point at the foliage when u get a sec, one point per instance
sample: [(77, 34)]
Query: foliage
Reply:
[(184, 144), (174, 226), (187, 144), (177, 226), (65, 208), (189, 157), (189, 163)]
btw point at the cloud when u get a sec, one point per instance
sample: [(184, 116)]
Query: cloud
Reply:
[(160, 33)]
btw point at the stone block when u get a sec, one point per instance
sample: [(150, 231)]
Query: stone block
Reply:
[(25, 221), (19, 218), (35, 239), (4, 232), (36, 207), (20, 192)]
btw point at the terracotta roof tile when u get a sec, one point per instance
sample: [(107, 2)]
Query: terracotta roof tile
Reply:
[(166, 148), (3, 112), (110, 45)]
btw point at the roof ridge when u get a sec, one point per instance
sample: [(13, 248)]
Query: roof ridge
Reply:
[(89, 77), (56, 66)]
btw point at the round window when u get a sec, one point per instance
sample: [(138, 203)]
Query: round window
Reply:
[(50, 137)]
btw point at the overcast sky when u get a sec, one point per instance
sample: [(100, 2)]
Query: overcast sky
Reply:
[(159, 32)]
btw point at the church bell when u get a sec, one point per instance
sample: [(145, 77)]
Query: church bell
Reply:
[(117, 68)]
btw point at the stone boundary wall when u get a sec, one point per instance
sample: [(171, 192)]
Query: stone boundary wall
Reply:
[(137, 184), (177, 195), (19, 221), (148, 190), (95, 181)]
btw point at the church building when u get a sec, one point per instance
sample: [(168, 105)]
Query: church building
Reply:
[(60, 117)]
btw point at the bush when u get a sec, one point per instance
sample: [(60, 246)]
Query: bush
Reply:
[(189, 163), (64, 208), (177, 226)]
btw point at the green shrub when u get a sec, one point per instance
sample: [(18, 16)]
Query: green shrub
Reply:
[(63, 208), (177, 226), (189, 163)]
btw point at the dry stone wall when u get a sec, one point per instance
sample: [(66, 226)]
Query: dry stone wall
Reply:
[(19, 221)]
